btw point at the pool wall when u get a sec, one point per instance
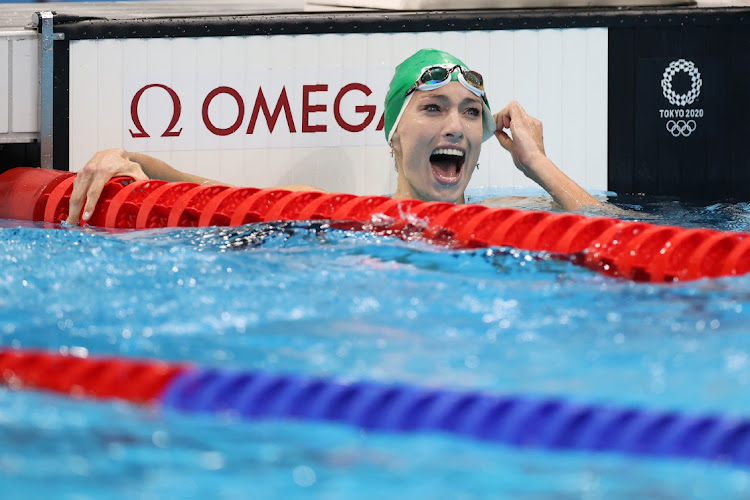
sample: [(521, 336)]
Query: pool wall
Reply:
[(634, 100)]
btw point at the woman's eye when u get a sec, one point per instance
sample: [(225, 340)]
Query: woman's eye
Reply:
[(431, 107), (474, 111)]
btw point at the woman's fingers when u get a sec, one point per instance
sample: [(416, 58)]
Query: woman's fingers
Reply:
[(92, 196), (90, 181), (525, 138), (77, 197), (512, 111), (505, 141)]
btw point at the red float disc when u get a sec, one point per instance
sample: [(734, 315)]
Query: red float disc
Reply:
[(456, 217), (110, 190), (41, 202), (291, 205), (603, 250), (515, 228), (218, 211), (477, 231), (671, 264), (429, 211), (360, 208), (548, 232), (708, 258), (186, 211), (738, 260), (154, 211), (124, 206), (57, 202), (581, 234), (397, 208), (448, 222), (255, 208), (644, 249), (325, 206)]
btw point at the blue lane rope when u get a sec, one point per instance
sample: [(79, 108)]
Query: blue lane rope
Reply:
[(538, 422)]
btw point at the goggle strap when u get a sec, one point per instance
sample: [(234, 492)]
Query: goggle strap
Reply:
[(398, 118), (433, 86)]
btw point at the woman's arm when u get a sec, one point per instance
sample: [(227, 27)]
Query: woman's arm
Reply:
[(110, 163), (526, 145)]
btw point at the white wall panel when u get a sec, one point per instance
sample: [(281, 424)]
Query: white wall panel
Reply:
[(576, 129), (500, 91), (25, 108), (551, 94), (5, 86), (109, 112), (525, 82), (597, 101), (85, 82), (559, 76)]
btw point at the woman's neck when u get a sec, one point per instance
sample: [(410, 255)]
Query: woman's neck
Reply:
[(404, 193)]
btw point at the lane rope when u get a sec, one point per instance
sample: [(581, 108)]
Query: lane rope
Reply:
[(629, 249), (548, 423)]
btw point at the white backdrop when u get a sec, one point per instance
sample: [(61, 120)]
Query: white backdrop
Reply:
[(558, 75)]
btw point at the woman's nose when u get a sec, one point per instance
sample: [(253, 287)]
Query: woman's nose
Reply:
[(453, 127)]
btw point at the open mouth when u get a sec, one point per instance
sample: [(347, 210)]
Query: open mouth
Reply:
[(447, 165)]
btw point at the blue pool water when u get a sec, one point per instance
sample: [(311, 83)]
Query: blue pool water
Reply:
[(306, 299)]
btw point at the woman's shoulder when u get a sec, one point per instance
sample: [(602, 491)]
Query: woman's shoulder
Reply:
[(547, 204), (533, 202)]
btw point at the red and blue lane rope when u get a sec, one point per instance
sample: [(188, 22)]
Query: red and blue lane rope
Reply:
[(516, 420)]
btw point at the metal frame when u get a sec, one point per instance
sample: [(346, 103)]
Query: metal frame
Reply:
[(46, 84)]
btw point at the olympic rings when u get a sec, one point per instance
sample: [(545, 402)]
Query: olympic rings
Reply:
[(681, 127), (695, 86)]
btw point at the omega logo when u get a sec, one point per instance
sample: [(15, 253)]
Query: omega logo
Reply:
[(281, 109), (176, 111)]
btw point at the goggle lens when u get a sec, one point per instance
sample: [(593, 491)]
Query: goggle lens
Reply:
[(474, 79), (434, 75)]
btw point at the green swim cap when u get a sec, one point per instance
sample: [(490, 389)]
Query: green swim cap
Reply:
[(407, 73)]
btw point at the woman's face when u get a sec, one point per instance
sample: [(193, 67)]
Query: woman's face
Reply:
[(437, 143)]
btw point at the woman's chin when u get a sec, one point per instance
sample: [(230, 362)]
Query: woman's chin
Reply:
[(450, 194)]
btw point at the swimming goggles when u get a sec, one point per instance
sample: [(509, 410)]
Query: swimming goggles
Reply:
[(437, 76)]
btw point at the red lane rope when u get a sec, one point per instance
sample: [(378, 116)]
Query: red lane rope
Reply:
[(633, 250), (137, 381)]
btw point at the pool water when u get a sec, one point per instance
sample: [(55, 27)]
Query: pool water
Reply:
[(307, 299)]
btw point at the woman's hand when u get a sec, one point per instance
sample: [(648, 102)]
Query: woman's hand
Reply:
[(90, 181), (526, 140), (526, 145)]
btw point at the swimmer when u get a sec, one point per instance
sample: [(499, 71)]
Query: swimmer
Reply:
[(436, 118)]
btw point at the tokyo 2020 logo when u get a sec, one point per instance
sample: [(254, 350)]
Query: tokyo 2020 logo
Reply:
[(674, 125), (695, 82)]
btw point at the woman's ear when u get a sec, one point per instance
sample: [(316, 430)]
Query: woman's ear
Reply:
[(395, 144)]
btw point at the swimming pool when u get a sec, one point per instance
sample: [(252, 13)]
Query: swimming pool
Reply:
[(305, 299)]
